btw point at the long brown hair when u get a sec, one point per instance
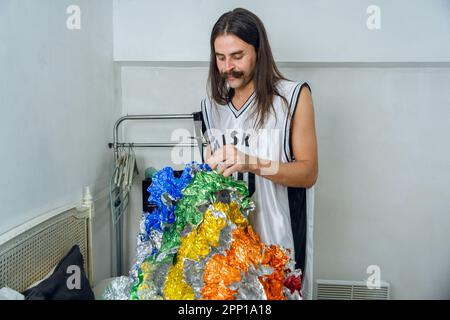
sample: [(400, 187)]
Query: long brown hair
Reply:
[(248, 27)]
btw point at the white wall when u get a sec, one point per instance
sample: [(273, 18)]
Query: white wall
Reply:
[(57, 104), (306, 31), (383, 194)]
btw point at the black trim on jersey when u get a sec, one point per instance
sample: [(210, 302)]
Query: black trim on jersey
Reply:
[(297, 205), (247, 103), (293, 113), (198, 117), (297, 210), (251, 183), (206, 113), (288, 120), (206, 124)]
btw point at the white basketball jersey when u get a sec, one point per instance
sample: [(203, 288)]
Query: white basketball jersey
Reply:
[(283, 216)]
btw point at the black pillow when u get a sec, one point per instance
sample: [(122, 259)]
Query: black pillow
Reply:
[(67, 282)]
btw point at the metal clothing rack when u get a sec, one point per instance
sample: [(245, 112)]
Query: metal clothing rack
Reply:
[(116, 203)]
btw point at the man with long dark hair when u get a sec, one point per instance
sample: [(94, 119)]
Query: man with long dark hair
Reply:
[(260, 128)]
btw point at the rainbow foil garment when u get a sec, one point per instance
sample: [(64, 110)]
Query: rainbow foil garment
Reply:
[(198, 244)]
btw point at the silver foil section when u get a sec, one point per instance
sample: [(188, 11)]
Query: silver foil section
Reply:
[(249, 288), (118, 289)]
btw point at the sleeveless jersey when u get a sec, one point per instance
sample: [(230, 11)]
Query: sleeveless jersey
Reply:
[(283, 215)]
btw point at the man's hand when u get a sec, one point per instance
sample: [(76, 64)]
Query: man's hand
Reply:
[(228, 160)]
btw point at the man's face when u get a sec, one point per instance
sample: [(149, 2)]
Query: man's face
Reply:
[(235, 60)]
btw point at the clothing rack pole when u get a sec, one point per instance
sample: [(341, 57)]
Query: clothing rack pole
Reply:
[(116, 145)]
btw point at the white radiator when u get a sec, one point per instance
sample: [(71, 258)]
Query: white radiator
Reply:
[(350, 290)]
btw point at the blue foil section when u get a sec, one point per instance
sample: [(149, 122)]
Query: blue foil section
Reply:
[(165, 191)]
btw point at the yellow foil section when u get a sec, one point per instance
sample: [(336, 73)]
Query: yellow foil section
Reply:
[(197, 245)]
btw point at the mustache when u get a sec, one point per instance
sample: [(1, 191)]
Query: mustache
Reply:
[(233, 73)]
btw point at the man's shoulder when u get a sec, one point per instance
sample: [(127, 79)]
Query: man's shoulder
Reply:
[(208, 102), (286, 87)]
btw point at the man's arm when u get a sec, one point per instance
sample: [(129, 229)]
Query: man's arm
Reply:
[(303, 172)]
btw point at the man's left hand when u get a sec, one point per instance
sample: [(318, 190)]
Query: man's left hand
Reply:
[(228, 160)]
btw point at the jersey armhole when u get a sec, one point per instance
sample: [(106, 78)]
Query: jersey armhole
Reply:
[(293, 108)]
